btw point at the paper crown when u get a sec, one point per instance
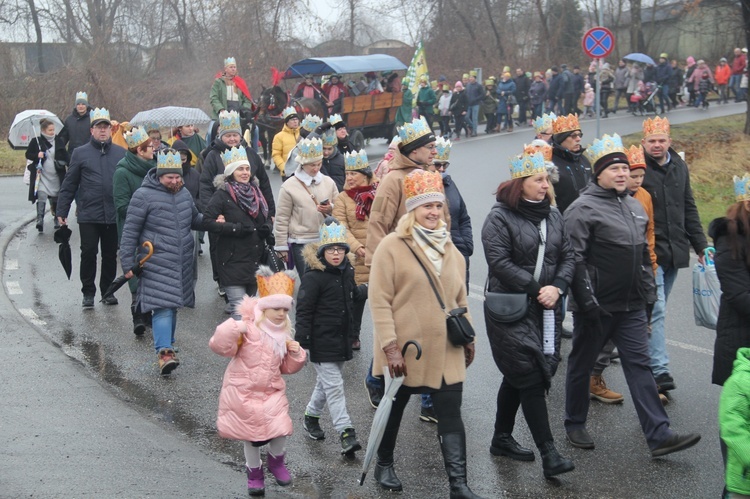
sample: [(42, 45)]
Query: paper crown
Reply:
[(562, 124), (356, 161), (82, 97), (311, 122), (135, 137), (334, 119), (332, 233), (473, 72), (168, 162), (234, 155), (229, 121), (742, 187), (289, 112), (99, 114), (309, 151), (527, 165), (229, 60), (608, 144), (544, 122), (636, 157), (151, 127), (414, 130), (275, 290), (421, 187), (329, 138), (538, 145), (443, 148), (654, 126), (465, 75)]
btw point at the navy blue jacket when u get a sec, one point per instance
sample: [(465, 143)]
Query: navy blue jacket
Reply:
[(663, 73), (460, 221)]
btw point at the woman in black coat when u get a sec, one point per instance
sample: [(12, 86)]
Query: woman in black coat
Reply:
[(511, 236), (48, 158), (238, 199)]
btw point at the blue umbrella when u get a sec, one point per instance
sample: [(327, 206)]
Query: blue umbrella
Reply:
[(638, 57)]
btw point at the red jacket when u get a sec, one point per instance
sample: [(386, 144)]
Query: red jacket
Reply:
[(722, 74), (738, 64)]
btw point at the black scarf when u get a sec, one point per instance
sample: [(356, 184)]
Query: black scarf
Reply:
[(534, 212)]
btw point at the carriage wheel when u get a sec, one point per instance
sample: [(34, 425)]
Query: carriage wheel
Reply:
[(357, 140)]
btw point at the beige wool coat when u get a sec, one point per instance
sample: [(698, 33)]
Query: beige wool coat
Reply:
[(404, 307), (344, 210)]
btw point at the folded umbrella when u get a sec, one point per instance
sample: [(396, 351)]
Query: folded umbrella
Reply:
[(62, 237), (137, 270), (380, 420)]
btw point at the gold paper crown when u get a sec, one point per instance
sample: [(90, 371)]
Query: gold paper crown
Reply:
[(422, 186), (539, 146), (276, 284), (654, 126), (564, 124), (135, 137), (636, 157)]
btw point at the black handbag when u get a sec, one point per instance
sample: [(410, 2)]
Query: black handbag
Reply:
[(511, 307), (460, 330), (271, 259)]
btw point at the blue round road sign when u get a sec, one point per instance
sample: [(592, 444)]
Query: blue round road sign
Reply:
[(598, 42)]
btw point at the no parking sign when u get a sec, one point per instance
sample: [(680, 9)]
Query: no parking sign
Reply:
[(598, 42)]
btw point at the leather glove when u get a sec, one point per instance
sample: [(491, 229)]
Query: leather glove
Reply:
[(649, 312), (264, 231), (593, 319), (320, 129), (469, 350), (396, 363)]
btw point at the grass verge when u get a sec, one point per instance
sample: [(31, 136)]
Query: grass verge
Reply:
[(12, 162)]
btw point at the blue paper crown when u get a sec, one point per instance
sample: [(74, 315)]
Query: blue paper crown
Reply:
[(311, 122), (604, 146), (234, 155), (99, 114), (82, 96), (229, 121), (168, 160), (151, 127), (527, 165), (229, 60), (544, 122), (309, 151), (135, 137), (742, 187), (443, 148), (288, 111), (335, 118), (356, 160), (414, 130), (333, 234), (329, 138)]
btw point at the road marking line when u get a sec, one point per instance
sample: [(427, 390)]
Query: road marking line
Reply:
[(11, 264), (14, 288), (32, 317), (688, 346)]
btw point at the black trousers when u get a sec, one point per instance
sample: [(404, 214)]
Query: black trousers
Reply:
[(92, 237), (534, 406), (357, 313)]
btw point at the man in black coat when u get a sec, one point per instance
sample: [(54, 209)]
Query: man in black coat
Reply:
[(77, 127), (523, 85), (567, 155)]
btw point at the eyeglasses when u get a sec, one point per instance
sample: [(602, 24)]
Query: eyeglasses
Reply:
[(431, 147), (331, 250), (442, 166), (577, 135)]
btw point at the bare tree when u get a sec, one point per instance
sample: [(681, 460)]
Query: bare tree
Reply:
[(38, 30)]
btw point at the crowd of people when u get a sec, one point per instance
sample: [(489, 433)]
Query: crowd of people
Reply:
[(603, 228)]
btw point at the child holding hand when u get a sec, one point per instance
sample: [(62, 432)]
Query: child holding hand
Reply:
[(253, 406)]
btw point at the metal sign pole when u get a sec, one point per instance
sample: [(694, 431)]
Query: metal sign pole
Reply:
[(598, 105)]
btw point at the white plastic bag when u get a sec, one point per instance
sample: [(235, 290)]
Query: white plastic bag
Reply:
[(706, 294), (27, 173)]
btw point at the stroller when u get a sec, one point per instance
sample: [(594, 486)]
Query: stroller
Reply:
[(642, 101)]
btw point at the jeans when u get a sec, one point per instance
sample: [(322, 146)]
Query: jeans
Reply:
[(163, 323), (657, 346), (329, 388), (94, 236), (236, 293), (297, 259), (734, 86), (472, 117), (620, 92), (538, 108), (375, 382), (664, 97)]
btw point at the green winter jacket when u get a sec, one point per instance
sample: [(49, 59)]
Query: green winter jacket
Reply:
[(734, 423), (403, 115), (128, 177), (426, 99), (218, 98)]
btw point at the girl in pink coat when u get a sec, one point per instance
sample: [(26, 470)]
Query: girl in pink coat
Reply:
[(253, 406)]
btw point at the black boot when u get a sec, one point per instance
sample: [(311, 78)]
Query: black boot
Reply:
[(139, 327), (453, 446), (552, 462), (503, 444), (385, 474), (41, 206)]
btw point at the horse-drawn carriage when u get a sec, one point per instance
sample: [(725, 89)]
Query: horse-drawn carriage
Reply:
[(366, 116)]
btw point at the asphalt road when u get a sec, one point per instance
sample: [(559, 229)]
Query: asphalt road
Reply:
[(183, 406)]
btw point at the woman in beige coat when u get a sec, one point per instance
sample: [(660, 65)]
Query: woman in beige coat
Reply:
[(352, 209), (421, 244)]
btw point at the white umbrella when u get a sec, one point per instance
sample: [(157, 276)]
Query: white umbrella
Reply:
[(171, 116), (25, 127), (380, 420)]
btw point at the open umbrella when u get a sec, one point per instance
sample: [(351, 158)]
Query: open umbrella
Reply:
[(62, 237), (638, 57), (137, 270), (25, 127), (380, 419), (171, 116)]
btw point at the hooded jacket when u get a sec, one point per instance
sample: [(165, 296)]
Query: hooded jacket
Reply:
[(734, 421), (76, 129), (89, 181), (334, 167), (325, 305), (607, 231), (283, 143), (676, 221), (128, 177), (733, 326), (575, 174)]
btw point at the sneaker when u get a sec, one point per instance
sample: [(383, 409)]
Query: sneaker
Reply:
[(349, 442), (167, 361), (312, 427), (427, 414), (374, 394), (88, 302), (110, 300), (221, 291), (599, 391), (664, 382), (675, 443)]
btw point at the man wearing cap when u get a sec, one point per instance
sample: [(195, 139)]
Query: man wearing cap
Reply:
[(90, 182), (739, 63), (663, 74), (567, 155), (722, 74), (677, 227), (474, 94), (77, 127), (612, 287)]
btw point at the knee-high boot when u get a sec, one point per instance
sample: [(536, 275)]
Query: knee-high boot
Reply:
[(41, 207), (453, 446)]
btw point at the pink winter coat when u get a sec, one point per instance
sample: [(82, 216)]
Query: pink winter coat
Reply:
[(253, 404)]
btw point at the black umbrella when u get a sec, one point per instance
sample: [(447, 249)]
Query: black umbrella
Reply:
[(137, 270), (62, 237)]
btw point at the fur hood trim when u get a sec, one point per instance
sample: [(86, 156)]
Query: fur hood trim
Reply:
[(310, 254)]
